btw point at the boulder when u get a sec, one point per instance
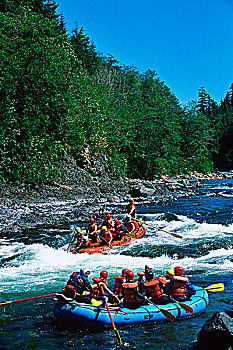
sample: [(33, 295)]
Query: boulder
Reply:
[(113, 199), (217, 332)]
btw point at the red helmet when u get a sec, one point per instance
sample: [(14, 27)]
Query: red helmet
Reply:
[(131, 200), (117, 222), (123, 272), (129, 274), (104, 274), (92, 221), (179, 270), (108, 216)]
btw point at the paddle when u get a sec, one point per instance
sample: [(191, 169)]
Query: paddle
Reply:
[(118, 214), (103, 239), (218, 287), (170, 233), (110, 316), (166, 313), (130, 234), (184, 306), (7, 302)]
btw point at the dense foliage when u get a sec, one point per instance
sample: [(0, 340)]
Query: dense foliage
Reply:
[(58, 95)]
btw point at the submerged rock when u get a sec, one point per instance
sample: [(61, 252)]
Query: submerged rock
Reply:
[(217, 332)]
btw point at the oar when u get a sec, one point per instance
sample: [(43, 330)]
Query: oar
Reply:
[(184, 306), (170, 233), (218, 287), (118, 214), (110, 316), (103, 239), (166, 313), (7, 302), (130, 234)]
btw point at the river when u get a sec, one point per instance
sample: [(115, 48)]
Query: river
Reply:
[(38, 265)]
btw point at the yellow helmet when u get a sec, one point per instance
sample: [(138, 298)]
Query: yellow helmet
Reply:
[(78, 229), (170, 273), (104, 228)]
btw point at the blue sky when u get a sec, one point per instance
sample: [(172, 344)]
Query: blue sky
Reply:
[(189, 43)]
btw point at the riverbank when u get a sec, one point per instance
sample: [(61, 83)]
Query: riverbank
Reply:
[(77, 196)]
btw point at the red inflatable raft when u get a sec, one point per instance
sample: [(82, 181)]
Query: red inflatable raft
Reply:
[(97, 248)]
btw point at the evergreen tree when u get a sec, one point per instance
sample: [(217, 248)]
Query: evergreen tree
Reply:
[(85, 50), (37, 77)]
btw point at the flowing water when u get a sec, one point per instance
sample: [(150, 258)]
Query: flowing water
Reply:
[(37, 264)]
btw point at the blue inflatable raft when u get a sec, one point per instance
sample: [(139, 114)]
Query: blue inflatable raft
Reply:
[(91, 316)]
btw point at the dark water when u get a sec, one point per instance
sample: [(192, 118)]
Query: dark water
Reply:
[(37, 264)]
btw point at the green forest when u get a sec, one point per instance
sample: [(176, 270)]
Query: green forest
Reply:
[(60, 98)]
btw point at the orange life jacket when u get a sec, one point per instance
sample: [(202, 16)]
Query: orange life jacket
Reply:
[(178, 285), (107, 223), (105, 235), (154, 290), (131, 298), (118, 284), (163, 280), (96, 290), (118, 229), (91, 228), (129, 225)]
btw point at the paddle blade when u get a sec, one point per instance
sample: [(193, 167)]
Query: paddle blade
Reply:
[(218, 287), (175, 235), (130, 234), (118, 336), (4, 303), (187, 308), (168, 314)]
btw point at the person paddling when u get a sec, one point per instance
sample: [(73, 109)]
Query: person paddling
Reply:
[(92, 231), (78, 237), (119, 280), (128, 223), (131, 208), (77, 284), (118, 232), (179, 286), (106, 234), (108, 222), (129, 291), (100, 285)]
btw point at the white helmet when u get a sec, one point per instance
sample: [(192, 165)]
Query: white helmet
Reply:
[(149, 267), (84, 270)]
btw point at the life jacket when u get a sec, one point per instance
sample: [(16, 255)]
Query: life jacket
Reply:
[(129, 208), (117, 289), (141, 287), (91, 228), (105, 235), (96, 290), (154, 290), (118, 229), (69, 291), (87, 243), (129, 226), (79, 238), (178, 285), (163, 280), (107, 223), (76, 282), (130, 294)]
